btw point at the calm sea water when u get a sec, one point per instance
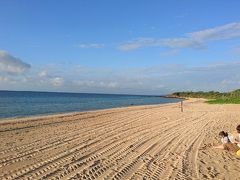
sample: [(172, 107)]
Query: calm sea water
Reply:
[(21, 104)]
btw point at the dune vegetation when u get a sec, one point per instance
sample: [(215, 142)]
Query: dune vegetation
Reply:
[(213, 97)]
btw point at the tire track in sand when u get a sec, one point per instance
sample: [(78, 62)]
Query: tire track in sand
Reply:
[(152, 143)]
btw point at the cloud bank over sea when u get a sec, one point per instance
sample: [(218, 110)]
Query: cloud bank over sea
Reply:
[(18, 74)]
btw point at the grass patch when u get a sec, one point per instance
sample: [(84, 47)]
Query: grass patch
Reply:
[(224, 101)]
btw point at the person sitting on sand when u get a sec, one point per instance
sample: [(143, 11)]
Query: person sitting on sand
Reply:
[(226, 143), (224, 139), (237, 139)]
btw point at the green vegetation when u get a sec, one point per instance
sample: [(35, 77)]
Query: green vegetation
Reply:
[(224, 101), (213, 97)]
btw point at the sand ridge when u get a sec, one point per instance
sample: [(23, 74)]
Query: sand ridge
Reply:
[(141, 142)]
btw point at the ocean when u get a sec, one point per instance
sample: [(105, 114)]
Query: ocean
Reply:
[(26, 103)]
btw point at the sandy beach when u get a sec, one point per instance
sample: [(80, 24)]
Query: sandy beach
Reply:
[(140, 142)]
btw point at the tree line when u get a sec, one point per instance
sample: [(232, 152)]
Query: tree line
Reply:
[(208, 95)]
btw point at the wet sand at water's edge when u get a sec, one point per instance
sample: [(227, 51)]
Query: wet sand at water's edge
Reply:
[(141, 142)]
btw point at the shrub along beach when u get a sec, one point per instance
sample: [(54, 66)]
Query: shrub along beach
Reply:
[(213, 97)]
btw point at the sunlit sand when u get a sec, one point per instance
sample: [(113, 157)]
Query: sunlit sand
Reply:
[(151, 142)]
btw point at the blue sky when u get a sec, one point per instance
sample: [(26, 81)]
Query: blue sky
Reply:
[(137, 47)]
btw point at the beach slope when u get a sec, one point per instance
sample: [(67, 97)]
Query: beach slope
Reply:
[(141, 142)]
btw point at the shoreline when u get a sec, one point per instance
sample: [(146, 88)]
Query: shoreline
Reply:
[(151, 141), (77, 112)]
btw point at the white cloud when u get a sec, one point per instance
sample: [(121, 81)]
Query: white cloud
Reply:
[(11, 64), (196, 40), (110, 85), (138, 43), (227, 31), (90, 45), (43, 73), (181, 43), (47, 78), (57, 81)]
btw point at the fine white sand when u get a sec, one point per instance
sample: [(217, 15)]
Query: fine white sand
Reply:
[(144, 142)]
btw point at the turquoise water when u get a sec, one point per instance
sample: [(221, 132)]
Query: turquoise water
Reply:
[(21, 103)]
